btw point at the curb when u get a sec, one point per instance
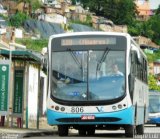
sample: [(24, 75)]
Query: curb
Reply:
[(33, 134), (18, 135)]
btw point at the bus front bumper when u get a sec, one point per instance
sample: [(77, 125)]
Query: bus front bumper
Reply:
[(125, 116)]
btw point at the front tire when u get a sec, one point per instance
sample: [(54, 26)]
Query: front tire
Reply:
[(82, 132), (158, 125), (62, 130), (129, 131), (91, 132), (140, 129)]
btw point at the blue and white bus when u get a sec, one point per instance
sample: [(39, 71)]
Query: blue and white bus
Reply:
[(82, 92), (154, 108)]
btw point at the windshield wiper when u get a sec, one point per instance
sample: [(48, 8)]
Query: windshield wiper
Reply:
[(102, 59), (75, 58)]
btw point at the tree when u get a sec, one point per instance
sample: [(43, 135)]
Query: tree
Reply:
[(111, 9), (95, 6), (153, 83), (158, 11), (126, 12), (119, 11), (154, 23), (73, 2)]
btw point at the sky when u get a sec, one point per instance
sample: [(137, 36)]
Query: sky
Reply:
[(154, 4)]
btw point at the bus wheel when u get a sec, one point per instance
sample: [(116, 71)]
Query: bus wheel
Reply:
[(82, 132), (129, 131), (91, 132), (140, 129), (158, 125), (62, 130)]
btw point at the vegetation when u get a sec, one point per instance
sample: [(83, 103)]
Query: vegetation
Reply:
[(153, 57), (18, 19), (34, 4), (35, 45), (153, 83), (119, 11), (124, 12), (87, 22)]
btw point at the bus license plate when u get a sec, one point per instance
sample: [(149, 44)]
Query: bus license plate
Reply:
[(87, 117)]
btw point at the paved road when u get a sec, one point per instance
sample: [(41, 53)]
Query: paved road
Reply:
[(151, 132)]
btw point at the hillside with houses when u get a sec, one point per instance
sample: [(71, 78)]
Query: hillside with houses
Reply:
[(42, 18), (63, 13)]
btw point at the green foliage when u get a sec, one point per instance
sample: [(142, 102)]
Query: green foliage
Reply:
[(96, 6), (124, 12), (18, 19), (153, 83), (89, 20), (119, 11), (35, 45), (151, 57), (73, 2), (154, 23), (35, 4), (149, 29), (141, 28), (158, 10), (135, 28)]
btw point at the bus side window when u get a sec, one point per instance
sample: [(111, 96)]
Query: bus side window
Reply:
[(134, 63), (133, 72)]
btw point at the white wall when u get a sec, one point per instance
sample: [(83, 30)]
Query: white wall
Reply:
[(44, 92), (54, 18), (32, 96)]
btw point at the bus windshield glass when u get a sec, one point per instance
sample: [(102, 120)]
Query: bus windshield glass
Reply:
[(154, 103), (88, 75)]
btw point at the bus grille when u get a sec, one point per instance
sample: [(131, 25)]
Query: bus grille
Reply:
[(101, 119)]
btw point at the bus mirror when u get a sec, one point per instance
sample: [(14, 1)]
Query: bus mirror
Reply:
[(131, 79), (137, 53)]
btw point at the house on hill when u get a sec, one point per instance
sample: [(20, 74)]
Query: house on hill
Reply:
[(143, 8)]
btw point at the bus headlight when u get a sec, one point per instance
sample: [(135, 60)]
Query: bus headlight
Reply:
[(119, 106), (57, 108), (62, 109), (114, 107)]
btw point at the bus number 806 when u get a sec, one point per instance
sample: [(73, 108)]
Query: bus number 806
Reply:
[(77, 110)]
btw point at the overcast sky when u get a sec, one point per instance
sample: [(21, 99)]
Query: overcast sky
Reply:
[(154, 4)]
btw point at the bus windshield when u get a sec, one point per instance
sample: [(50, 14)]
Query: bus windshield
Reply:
[(154, 103), (88, 75)]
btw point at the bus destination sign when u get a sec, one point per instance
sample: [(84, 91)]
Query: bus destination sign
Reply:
[(88, 41)]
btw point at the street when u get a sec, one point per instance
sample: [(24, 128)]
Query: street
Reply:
[(151, 132)]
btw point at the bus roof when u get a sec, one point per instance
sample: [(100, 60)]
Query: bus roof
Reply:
[(69, 34), (89, 33)]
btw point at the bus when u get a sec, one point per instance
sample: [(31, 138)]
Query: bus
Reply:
[(83, 95), (154, 108)]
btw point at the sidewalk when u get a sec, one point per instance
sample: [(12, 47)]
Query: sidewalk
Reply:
[(16, 133), (19, 133)]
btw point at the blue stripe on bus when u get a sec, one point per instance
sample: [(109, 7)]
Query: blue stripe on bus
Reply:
[(155, 120), (126, 116)]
